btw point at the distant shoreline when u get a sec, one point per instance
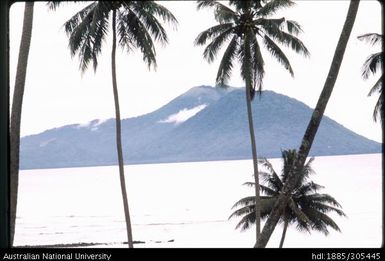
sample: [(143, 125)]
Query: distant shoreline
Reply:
[(178, 162)]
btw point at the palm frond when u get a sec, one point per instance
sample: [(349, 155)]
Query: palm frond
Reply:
[(297, 211), (85, 38), (53, 5), (242, 6), (271, 181), (250, 184), (206, 3), (76, 19), (160, 11), (212, 32), (272, 29), (147, 12), (371, 38), (307, 188), (224, 14), (151, 24), (378, 111), (211, 50), (246, 201), (266, 164), (277, 53), (324, 198), (226, 65), (138, 36), (377, 86), (268, 191), (245, 60), (372, 63), (273, 6), (324, 208), (246, 221), (293, 27), (258, 64), (321, 222)]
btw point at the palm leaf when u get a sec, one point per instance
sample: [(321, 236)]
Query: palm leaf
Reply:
[(325, 208), (377, 86), (246, 201), (324, 198), (307, 188), (371, 38), (272, 29), (372, 63), (226, 65), (276, 52), (321, 222), (76, 19), (268, 191), (212, 49), (297, 211), (293, 27), (378, 108), (212, 32), (139, 37), (273, 6), (258, 64)]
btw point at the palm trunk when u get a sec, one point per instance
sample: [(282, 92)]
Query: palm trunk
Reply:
[(312, 128), (285, 225), (16, 113), (119, 134), (255, 164)]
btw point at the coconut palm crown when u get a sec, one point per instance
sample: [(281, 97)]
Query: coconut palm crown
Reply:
[(137, 27), (248, 27), (370, 67), (307, 208)]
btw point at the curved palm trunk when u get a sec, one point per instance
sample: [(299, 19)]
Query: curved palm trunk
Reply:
[(119, 133), (312, 127), (255, 164), (16, 112), (285, 225)]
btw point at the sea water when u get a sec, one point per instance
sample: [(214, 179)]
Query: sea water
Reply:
[(187, 204)]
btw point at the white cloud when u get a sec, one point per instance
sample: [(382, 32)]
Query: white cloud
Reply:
[(94, 124), (183, 115)]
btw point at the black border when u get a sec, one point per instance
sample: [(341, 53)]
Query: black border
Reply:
[(4, 120), (178, 253)]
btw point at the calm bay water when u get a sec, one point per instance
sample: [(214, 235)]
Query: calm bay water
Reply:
[(187, 204)]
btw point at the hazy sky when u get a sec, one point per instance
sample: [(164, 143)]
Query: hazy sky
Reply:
[(57, 94)]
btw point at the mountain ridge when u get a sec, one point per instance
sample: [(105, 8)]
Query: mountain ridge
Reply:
[(207, 124)]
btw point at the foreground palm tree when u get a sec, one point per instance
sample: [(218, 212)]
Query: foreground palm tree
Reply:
[(312, 127), (17, 104), (307, 208), (136, 25), (371, 65), (246, 28)]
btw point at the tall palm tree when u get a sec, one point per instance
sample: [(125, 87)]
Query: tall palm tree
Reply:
[(17, 104), (247, 26), (371, 65), (307, 208), (312, 127), (136, 25)]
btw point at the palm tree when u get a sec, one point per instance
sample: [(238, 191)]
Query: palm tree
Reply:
[(371, 65), (136, 25), (312, 127), (307, 208), (246, 28), (17, 104)]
